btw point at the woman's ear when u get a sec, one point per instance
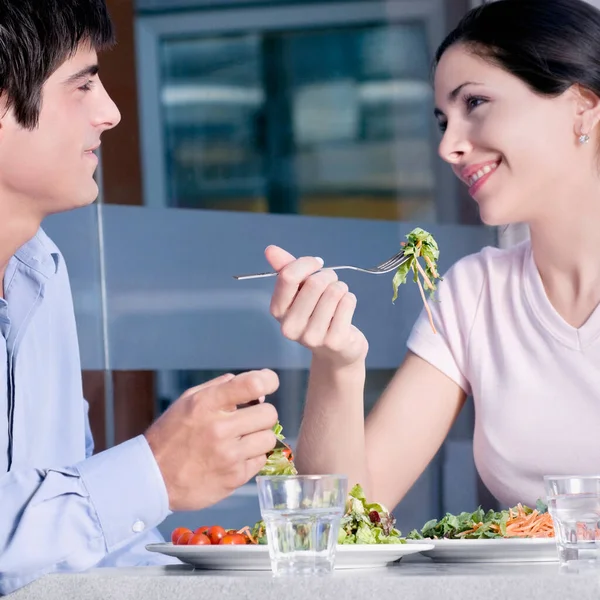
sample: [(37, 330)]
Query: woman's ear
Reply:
[(587, 104)]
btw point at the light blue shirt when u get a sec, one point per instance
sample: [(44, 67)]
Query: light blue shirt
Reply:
[(61, 509)]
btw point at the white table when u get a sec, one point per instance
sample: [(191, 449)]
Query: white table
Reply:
[(414, 578)]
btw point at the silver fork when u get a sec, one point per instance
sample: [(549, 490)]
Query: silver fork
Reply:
[(385, 267)]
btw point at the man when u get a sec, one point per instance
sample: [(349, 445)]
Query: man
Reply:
[(62, 509)]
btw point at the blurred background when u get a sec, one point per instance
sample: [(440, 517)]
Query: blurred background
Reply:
[(308, 124)]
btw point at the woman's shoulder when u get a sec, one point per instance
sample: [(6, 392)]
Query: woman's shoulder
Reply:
[(490, 264), (460, 295), (492, 269)]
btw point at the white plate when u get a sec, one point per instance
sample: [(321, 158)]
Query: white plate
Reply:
[(256, 558), (494, 550)]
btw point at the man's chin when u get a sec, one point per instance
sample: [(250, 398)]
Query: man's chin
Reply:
[(87, 199), (73, 205)]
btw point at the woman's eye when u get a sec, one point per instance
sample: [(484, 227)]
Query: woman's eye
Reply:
[(473, 102)]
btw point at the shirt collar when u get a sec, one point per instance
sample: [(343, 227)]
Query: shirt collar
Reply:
[(40, 254)]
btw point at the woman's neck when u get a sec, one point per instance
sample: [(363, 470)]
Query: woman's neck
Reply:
[(566, 250)]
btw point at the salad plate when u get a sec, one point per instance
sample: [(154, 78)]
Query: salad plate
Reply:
[(491, 550), (256, 557), (366, 539), (517, 534)]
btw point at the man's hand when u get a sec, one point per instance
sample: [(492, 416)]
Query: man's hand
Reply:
[(205, 447)]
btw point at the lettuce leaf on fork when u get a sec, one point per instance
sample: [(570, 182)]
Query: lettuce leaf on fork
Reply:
[(280, 461), (419, 244)]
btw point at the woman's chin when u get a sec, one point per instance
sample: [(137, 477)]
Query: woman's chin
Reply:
[(491, 216), (492, 220)]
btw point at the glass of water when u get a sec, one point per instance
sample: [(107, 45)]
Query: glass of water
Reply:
[(302, 515), (574, 504)]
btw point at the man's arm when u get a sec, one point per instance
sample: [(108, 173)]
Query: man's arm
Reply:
[(198, 452), (133, 553), (69, 519)]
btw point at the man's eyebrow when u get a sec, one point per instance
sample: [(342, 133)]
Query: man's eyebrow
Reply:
[(84, 73), (453, 95)]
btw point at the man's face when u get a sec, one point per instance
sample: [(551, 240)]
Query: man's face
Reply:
[(51, 169)]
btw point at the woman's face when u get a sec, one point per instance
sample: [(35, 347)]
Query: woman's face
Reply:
[(517, 151)]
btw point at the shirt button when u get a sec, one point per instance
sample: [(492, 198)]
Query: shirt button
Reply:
[(138, 526)]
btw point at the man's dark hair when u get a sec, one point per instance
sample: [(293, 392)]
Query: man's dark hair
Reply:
[(37, 37)]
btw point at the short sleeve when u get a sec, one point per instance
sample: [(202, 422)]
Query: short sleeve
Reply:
[(453, 309)]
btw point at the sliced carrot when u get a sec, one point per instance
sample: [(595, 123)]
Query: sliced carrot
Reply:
[(426, 306), (246, 531), (532, 525), (424, 275), (430, 265)]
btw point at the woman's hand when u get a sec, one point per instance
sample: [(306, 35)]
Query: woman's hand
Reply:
[(315, 309)]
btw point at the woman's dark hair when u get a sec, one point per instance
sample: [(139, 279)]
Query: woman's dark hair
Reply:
[(36, 37), (549, 44)]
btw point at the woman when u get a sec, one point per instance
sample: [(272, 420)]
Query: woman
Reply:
[(517, 88)]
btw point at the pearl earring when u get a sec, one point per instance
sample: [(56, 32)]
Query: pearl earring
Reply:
[(584, 138)]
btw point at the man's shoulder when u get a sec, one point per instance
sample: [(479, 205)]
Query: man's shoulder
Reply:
[(46, 253), (46, 241), (41, 255)]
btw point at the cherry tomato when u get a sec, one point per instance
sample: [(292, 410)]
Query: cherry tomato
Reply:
[(184, 538), (231, 531), (199, 539), (177, 532), (202, 529), (288, 454), (234, 538), (215, 533)]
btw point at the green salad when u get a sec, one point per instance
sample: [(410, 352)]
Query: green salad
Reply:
[(521, 521), (362, 523), (419, 244), (365, 523)]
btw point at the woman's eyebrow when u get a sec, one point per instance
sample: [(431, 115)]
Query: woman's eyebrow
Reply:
[(453, 95)]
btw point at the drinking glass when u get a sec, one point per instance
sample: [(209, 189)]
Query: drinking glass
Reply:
[(302, 515)]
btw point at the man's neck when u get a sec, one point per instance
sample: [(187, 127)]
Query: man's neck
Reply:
[(16, 229)]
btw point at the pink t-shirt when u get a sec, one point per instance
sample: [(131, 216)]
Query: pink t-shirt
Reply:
[(535, 379)]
